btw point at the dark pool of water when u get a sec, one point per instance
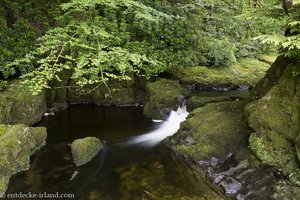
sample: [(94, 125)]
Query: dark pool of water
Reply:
[(119, 171)]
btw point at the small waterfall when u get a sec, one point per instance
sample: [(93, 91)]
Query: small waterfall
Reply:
[(167, 128)]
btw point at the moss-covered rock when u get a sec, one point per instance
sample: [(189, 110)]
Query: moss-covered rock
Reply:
[(272, 76), (162, 94), (297, 145), (274, 149), (275, 118), (83, 150), (119, 93), (20, 106), (270, 59), (199, 101), (17, 144), (246, 72), (216, 128), (57, 95)]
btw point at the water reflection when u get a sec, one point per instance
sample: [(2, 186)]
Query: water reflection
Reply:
[(119, 171)]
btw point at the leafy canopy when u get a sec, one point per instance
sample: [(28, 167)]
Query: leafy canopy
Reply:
[(99, 40), (94, 40)]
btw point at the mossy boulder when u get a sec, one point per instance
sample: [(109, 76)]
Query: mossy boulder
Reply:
[(272, 76), (162, 94), (270, 59), (216, 129), (275, 118), (17, 144), (247, 71), (274, 149), (19, 106), (118, 93), (199, 101), (83, 150)]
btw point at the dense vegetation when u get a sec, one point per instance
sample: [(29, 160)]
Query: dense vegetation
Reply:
[(100, 40)]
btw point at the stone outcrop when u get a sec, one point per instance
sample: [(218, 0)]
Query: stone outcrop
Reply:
[(162, 94), (118, 93), (20, 106), (199, 101), (212, 131), (83, 150), (245, 72), (17, 144), (57, 94), (275, 119)]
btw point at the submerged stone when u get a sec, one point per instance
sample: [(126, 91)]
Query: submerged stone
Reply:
[(17, 144), (83, 150)]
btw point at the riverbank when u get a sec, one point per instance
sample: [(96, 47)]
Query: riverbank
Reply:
[(215, 132)]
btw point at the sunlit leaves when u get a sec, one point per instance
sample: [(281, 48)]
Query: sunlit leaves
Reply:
[(94, 45)]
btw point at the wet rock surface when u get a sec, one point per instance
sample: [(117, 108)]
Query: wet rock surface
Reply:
[(239, 179)]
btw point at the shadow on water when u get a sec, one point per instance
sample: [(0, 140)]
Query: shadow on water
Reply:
[(119, 171)]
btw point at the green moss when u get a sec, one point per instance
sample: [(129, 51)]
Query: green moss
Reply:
[(276, 120), (17, 144), (272, 148), (267, 58), (217, 129), (198, 101), (162, 94), (4, 180), (247, 71), (83, 150), (297, 145), (20, 106), (3, 129), (3, 85), (40, 135)]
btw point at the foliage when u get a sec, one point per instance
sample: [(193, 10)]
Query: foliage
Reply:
[(93, 40), (100, 40), (16, 41), (21, 22), (290, 42)]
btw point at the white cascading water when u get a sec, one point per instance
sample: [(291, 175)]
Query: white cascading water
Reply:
[(167, 128)]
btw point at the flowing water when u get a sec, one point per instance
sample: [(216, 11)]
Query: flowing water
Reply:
[(132, 164), (166, 128)]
